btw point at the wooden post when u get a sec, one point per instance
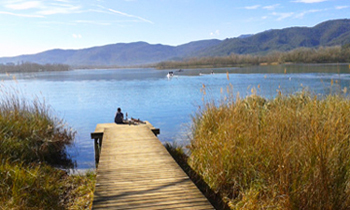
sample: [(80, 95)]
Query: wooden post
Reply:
[(97, 136), (155, 131)]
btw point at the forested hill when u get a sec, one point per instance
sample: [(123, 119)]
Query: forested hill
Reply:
[(329, 33), (121, 54)]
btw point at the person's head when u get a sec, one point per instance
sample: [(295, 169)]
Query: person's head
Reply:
[(119, 109)]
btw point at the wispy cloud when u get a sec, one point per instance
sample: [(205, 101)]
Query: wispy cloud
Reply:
[(21, 15), (216, 33), (271, 7), (77, 36), (302, 14), (50, 23), (24, 5), (41, 7), (45, 8), (282, 16), (132, 16), (112, 11), (252, 7), (67, 9), (257, 6), (341, 7), (93, 22), (309, 1)]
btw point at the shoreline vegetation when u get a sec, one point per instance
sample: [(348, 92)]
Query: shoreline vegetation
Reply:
[(335, 54), (332, 54), (31, 67), (290, 152), (33, 159)]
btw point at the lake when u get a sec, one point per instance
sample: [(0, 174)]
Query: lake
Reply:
[(84, 98)]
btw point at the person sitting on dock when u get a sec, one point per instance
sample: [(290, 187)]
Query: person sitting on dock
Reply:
[(119, 117)]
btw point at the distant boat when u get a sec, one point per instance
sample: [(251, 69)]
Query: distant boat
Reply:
[(206, 74), (170, 74), (180, 70)]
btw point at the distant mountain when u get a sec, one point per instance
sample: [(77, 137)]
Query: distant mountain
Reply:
[(329, 33), (122, 54), (243, 36)]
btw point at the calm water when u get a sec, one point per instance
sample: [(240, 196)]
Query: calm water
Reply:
[(84, 98)]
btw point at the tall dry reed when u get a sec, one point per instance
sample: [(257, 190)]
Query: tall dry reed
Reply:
[(39, 186), (291, 152), (32, 146), (29, 133)]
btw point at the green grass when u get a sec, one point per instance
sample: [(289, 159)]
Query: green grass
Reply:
[(32, 151), (291, 152)]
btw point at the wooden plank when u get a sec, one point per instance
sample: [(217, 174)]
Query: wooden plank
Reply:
[(136, 172)]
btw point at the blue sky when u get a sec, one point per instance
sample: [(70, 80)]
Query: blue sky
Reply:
[(32, 26)]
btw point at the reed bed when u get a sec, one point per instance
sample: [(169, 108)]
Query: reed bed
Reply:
[(290, 152), (29, 133), (32, 155)]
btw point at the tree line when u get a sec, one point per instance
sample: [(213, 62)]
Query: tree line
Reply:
[(334, 54), (32, 67)]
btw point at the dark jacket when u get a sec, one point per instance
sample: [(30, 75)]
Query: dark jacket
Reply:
[(119, 118)]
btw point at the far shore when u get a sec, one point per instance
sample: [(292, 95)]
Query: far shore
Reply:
[(13, 69)]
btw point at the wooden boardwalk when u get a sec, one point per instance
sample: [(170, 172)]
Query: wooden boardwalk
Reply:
[(135, 171)]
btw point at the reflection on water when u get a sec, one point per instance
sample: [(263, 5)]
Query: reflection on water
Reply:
[(85, 98)]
